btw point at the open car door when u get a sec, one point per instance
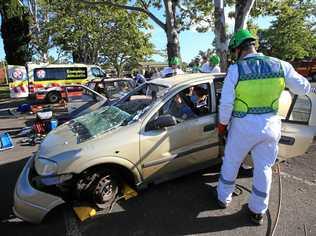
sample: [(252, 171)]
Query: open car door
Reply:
[(82, 100), (298, 124)]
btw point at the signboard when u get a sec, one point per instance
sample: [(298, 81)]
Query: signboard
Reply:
[(76, 73)]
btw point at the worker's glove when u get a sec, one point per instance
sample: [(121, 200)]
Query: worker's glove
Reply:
[(222, 129)]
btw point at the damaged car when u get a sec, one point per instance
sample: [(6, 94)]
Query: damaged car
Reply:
[(114, 88), (162, 129)]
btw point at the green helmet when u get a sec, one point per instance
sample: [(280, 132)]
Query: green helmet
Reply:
[(175, 61), (214, 60), (239, 37)]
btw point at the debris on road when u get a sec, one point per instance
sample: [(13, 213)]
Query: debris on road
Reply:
[(5, 141)]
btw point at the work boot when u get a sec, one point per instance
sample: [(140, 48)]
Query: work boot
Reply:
[(220, 204), (256, 218)]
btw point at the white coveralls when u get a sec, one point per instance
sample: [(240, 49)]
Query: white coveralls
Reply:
[(206, 68), (259, 134)]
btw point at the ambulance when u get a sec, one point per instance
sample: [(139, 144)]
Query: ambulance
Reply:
[(46, 81)]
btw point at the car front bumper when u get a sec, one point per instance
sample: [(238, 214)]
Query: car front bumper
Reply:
[(30, 204)]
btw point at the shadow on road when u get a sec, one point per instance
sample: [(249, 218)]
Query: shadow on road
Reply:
[(181, 207)]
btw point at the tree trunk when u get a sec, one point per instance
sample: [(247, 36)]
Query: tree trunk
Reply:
[(15, 33), (173, 47), (242, 10), (220, 33)]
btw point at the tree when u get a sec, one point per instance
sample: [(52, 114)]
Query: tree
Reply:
[(126, 45), (179, 15), (100, 33), (41, 40), (15, 31), (291, 35), (242, 11), (220, 33)]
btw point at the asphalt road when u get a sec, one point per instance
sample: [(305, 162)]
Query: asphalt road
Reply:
[(184, 206)]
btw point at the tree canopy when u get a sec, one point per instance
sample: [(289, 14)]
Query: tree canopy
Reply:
[(15, 31), (292, 34), (94, 31)]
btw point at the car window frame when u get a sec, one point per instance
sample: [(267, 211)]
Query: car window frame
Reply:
[(288, 115), (172, 94), (100, 72)]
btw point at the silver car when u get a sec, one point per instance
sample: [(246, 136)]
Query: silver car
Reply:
[(163, 129)]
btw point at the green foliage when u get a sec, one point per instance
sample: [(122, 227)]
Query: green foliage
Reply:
[(15, 32), (94, 34), (290, 35), (126, 45), (196, 13)]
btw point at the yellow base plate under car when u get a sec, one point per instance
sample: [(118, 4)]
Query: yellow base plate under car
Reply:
[(84, 212), (128, 192)]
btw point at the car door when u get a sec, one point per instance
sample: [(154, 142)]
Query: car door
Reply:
[(82, 100), (298, 124), (174, 150)]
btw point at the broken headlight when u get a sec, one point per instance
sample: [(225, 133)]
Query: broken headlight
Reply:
[(45, 167), (54, 180)]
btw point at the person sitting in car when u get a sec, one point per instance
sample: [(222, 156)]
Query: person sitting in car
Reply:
[(201, 99), (179, 108)]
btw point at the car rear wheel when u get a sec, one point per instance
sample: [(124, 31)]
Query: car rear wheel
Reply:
[(53, 97)]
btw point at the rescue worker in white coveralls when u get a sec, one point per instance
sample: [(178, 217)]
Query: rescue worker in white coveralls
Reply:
[(248, 106), (173, 69), (212, 66)]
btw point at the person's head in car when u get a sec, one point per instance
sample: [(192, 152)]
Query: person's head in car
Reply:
[(201, 95)]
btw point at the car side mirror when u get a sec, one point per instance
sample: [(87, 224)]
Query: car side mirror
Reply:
[(162, 122)]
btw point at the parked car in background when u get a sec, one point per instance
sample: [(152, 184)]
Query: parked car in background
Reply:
[(161, 130)]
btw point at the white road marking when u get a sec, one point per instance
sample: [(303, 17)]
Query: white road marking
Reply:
[(298, 179), (71, 223)]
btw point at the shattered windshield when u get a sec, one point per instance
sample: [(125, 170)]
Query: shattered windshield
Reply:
[(127, 110), (97, 122)]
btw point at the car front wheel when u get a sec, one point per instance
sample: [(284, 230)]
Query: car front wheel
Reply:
[(105, 191)]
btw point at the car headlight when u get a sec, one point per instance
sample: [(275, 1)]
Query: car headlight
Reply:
[(55, 179), (45, 167)]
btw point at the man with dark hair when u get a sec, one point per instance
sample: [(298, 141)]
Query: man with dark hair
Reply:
[(249, 105)]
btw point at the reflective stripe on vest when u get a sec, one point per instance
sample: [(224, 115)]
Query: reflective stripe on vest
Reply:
[(260, 84)]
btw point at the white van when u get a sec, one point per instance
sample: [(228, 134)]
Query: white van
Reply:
[(46, 81)]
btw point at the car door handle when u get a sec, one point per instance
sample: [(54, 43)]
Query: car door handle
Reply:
[(209, 127), (287, 140)]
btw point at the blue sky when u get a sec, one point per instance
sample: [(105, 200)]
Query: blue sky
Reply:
[(191, 42)]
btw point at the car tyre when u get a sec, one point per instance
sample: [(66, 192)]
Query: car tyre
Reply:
[(53, 97), (105, 191)]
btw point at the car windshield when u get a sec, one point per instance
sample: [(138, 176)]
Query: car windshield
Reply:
[(98, 122), (127, 110), (139, 100)]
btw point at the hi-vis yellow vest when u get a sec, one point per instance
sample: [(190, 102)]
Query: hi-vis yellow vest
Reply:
[(260, 84)]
